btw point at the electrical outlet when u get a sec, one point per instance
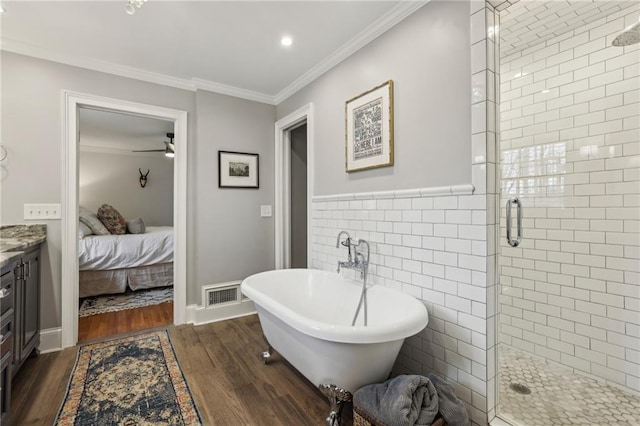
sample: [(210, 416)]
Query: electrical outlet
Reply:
[(265, 211), (41, 211)]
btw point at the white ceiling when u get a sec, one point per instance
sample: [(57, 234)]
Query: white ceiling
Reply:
[(231, 46), (104, 131)]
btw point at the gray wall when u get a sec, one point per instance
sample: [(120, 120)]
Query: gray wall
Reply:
[(299, 197), (427, 57), (232, 241), (114, 179), (32, 173)]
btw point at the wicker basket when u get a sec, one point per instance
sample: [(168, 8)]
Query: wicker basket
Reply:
[(363, 418)]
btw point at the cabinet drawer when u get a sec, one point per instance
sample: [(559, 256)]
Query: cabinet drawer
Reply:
[(5, 388), (5, 361), (6, 334), (6, 293)]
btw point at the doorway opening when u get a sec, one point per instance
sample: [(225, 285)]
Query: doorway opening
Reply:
[(73, 103), (293, 189), (125, 172), (298, 184)]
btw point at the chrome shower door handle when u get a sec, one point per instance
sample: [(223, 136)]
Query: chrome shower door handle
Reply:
[(514, 242)]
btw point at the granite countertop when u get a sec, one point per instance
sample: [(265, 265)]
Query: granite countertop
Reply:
[(14, 239)]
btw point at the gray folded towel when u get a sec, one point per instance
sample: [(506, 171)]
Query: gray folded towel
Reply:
[(450, 407), (401, 401)]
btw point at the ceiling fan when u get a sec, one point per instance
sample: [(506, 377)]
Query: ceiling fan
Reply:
[(168, 150)]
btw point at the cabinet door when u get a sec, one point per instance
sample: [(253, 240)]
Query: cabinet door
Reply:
[(5, 388), (31, 302), (18, 286)]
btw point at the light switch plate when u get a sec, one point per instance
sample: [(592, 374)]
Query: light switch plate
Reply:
[(265, 211), (41, 211)]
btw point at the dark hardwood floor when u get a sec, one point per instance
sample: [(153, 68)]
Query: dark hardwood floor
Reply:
[(111, 324), (221, 363)]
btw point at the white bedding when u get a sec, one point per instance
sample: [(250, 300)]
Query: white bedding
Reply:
[(104, 252)]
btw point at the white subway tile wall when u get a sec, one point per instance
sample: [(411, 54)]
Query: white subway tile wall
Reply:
[(570, 150), (434, 248)]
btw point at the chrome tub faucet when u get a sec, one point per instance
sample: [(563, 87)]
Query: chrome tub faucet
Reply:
[(358, 262), (346, 243)]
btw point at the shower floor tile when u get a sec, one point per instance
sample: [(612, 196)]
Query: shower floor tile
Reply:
[(558, 396)]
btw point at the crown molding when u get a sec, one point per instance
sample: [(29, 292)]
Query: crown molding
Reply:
[(377, 28), (21, 48), (384, 23), (131, 72), (225, 89)]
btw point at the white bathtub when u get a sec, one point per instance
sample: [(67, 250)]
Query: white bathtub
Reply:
[(306, 316)]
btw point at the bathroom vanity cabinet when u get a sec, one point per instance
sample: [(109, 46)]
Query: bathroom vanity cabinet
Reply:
[(27, 307), (7, 333), (19, 303), (19, 319)]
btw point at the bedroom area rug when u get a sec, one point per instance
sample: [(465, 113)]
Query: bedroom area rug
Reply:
[(120, 302), (134, 380)]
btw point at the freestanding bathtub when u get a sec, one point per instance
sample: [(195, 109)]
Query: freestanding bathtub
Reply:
[(306, 316)]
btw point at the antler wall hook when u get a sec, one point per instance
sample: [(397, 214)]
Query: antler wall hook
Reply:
[(143, 177)]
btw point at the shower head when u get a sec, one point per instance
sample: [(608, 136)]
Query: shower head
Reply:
[(630, 35)]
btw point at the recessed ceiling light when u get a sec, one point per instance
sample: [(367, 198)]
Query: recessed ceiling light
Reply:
[(286, 41), (2, 9)]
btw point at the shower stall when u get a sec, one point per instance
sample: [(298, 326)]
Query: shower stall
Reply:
[(569, 142)]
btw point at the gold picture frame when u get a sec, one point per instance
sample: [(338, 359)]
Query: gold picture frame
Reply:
[(369, 129)]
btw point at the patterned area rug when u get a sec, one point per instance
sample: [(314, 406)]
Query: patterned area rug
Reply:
[(134, 380), (120, 302)]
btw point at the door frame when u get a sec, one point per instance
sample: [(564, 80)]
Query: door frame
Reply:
[(70, 196), (282, 205)]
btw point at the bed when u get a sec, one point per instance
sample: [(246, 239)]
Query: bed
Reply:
[(110, 264)]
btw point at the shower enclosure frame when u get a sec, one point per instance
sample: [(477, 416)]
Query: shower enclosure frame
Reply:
[(494, 204), (484, 163)]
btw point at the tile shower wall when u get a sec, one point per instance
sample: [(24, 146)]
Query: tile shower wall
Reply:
[(433, 248), (570, 147)]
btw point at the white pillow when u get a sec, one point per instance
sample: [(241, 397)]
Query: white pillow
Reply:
[(91, 220), (83, 230)]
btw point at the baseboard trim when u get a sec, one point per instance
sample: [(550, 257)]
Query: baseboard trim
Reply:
[(198, 315), (50, 340)]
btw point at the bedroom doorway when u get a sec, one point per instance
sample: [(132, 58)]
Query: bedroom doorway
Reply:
[(74, 102), (125, 228)]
